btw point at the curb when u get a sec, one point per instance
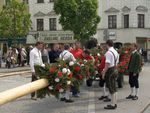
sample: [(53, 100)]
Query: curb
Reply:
[(13, 73)]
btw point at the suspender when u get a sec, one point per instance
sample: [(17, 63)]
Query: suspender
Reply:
[(115, 59), (63, 55)]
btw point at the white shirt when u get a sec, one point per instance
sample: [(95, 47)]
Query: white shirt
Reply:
[(35, 58), (66, 55), (134, 51), (110, 57)]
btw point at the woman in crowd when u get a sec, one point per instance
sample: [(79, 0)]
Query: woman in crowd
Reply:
[(45, 55)]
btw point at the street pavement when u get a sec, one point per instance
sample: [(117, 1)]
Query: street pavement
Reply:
[(87, 103), (16, 69)]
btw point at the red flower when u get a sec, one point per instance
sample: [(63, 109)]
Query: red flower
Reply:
[(77, 68), (80, 77), (70, 75), (60, 74), (52, 70), (80, 63), (58, 87), (65, 65), (123, 63)]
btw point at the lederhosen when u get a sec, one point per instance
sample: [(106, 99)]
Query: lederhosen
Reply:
[(111, 78)]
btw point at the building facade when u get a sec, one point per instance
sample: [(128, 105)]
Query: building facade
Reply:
[(45, 24), (121, 20), (125, 21)]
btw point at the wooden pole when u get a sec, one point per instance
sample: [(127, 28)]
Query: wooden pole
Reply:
[(13, 94)]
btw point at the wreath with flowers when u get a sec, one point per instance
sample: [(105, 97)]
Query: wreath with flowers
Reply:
[(125, 54), (61, 76)]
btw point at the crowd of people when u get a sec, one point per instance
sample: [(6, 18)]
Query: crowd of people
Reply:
[(17, 57), (40, 55)]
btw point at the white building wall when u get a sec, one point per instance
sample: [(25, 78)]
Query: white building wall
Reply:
[(122, 35), (45, 8), (129, 34)]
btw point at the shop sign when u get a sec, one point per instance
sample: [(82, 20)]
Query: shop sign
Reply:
[(56, 37)]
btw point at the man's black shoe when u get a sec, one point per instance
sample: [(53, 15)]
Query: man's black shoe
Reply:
[(110, 107), (62, 99), (103, 97), (33, 98), (107, 99), (130, 97), (69, 101), (135, 98)]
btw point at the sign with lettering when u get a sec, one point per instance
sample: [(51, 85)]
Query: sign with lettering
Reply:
[(56, 37), (112, 35)]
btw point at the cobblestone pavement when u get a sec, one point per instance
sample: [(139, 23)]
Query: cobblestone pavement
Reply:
[(87, 103)]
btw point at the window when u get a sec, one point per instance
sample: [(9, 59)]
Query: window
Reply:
[(40, 1), (112, 21), (141, 21), (52, 24), (126, 21), (51, 0), (25, 1), (40, 25)]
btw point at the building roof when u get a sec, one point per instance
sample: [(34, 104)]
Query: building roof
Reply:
[(51, 13), (39, 14), (126, 9), (141, 8), (112, 10)]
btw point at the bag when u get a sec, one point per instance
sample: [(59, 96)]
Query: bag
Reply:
[(101, 83), (89, 82)]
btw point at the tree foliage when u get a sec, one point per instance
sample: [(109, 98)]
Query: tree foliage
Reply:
[(14, 20), (79, 16)]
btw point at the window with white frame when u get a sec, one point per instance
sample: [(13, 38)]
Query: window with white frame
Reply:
[(40, 24), (40, 1), (52, 24), (141, 20), (112, 21), (126, 21)]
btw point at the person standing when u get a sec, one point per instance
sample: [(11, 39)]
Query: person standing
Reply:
[(102, 82), (66, 55), (23, 56), (109, 73), (45, 55), (134, 69), (8, 58), (77, 53), (28, 53), (35, 59), (54, 53)]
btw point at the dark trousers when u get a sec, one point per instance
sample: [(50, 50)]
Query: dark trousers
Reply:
[(101, 82), (74, 90), (133, 80), (34, 78)]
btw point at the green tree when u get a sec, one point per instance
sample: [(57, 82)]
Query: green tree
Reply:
[(79, 16), (14, 20)]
